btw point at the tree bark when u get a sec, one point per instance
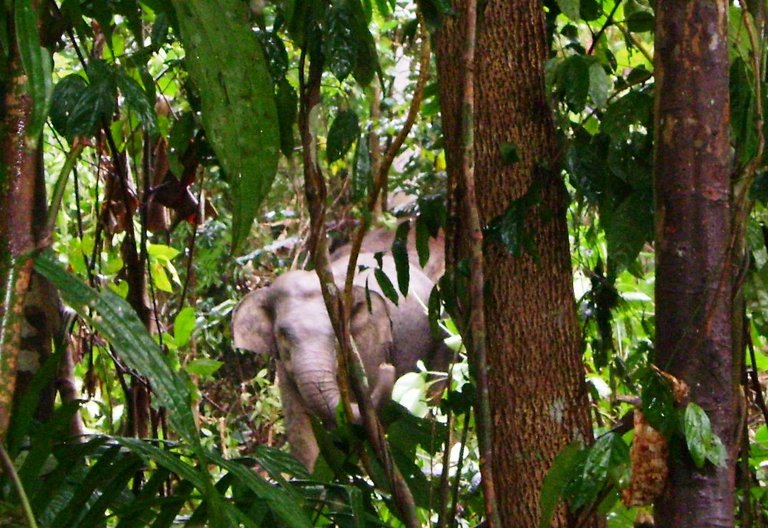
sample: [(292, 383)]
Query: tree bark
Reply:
[(694, 245), (17, 191), (538, 396)]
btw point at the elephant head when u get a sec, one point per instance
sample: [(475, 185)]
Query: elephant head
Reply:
[(289, 320)]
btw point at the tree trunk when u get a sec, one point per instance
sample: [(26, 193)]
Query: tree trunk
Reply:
[(693, 245), (17, 191), (538, 396)]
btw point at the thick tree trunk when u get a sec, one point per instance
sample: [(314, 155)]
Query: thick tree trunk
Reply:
[(693, 245), (538, 396)]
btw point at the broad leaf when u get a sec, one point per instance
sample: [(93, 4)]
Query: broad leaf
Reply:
[(599, 84), (659, 404), (184, 325), (570, 8), (287, 104), (137, 100), (37, 64), (119, 324), (239, 114), (66, 95), (344, 131), (339, 44), (572, 81), (703, 444), (606, 462), (559, 474)]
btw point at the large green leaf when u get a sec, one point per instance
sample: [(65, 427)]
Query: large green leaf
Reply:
[(281, 501), (345, 129), (118, 323), (66, 95), (703, 443), (230, 71), (37, 65), (557, 478)]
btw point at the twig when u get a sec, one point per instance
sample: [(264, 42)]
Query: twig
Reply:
[(477, 279), (608, 22), (7, 465), (338, 311), (636, 43), (755, 380)]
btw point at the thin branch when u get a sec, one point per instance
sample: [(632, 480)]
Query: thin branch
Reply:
[(477, 337), (7, 465), (635, 42), (338, 310)]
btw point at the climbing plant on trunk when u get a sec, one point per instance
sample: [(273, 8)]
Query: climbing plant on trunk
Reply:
[(537, 392)]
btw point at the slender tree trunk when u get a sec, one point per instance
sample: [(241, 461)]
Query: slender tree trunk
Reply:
[(693, 245), (17, 191), (538, 397)]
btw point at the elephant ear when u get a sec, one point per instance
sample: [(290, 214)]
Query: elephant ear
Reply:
[(252, 324)]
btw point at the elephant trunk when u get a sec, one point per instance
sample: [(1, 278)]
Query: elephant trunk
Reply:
[(315, 377)]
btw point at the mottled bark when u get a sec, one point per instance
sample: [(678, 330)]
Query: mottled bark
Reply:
[(42, 318), (693, 245), (538, 396), (17, 191)]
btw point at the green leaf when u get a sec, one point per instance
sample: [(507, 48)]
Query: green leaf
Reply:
[(137, 100), (203, 367), (606, 462), (559, 474), (366, 57), (385, 7), (277, 56), (703, 444), (635, 108), (339, 44), (160, 278), (509, 230), (572, 81), (162, 252), (386, 285), (422, 241), (96, 104), (362, 171), (184, 325), (591, 9), (228, 67), (66, 94), (119, 324), (344, 131), (287, 103), (599, 84), (509, 154), (281, 501), (743, 111), (659, 404), (400, 255), (627, 228), (639, 16), (570, 8), (37, 65)]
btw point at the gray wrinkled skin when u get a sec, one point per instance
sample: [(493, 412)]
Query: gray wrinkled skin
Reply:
[(289, 320)]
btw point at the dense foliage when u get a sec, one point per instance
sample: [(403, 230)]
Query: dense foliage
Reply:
[(167, 128)]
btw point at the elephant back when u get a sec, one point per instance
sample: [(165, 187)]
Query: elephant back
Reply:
[(412, 338)]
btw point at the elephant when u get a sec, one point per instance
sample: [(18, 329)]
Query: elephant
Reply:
[(381, 239), (289, 320)]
